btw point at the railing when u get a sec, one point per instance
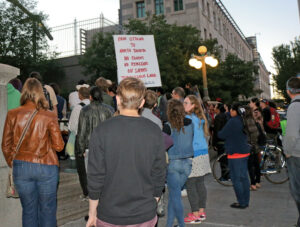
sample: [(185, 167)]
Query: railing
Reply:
[(70, 39)]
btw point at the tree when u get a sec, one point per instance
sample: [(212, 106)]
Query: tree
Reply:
[(100, 59), (232, 78), (17, 33), (174, 46), (287, 64)]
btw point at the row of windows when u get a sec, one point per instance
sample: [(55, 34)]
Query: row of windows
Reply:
[(178, 6), (159, 7)]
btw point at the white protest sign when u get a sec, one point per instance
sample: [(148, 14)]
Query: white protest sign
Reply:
[(136, 57)]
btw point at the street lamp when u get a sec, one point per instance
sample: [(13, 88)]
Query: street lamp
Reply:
[(199, 62)]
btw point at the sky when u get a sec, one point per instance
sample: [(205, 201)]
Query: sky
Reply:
[(274, 22)]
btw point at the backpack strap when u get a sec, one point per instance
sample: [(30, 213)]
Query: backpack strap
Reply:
[(82, 104), (296, 100), (47, 96)]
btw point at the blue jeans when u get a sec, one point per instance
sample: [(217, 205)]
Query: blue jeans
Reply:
[(293, 164), (239, 176), (178, 172), (37, 187)]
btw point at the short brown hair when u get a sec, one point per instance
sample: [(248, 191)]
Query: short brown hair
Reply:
[(33, 91), (150, 99), (131, 92), (179, 91), (102, 83), (84, 92)]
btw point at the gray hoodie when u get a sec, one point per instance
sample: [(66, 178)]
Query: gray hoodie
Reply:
[(291, 142)]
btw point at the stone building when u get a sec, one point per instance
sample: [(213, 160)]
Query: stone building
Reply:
[(212, 19)]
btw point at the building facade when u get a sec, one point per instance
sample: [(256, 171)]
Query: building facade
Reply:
[(211, 18)]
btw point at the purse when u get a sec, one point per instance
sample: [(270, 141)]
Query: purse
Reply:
[(11, 191)]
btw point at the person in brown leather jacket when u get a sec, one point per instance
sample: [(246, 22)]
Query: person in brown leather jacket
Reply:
[(35, 165)]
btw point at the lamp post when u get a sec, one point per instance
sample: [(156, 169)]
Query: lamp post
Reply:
[(199, 62)]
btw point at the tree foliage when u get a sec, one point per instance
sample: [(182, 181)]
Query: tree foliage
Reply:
[(100, 59), (174, 47), (16, 40), (232, 78), (287, 64)]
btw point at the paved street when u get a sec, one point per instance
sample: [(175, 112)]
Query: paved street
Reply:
[(270, 206)]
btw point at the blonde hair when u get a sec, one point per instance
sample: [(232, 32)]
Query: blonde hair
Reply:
[(102, 83), (198, 111), (150, 99), (33, 91), (131, 92)]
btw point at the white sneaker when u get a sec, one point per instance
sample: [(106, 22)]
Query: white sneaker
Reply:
[(84, 198), (183, 193)]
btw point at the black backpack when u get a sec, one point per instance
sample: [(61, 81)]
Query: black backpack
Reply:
[(47, 96)]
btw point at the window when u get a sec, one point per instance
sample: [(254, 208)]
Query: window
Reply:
[(140, 9), (208, 11), (178, 5), (203, 5), (159, 7), (219, 23), (205, 34), (210, 36)]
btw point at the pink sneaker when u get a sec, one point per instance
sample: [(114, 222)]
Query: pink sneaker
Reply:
[(202, 216), (192, 219)]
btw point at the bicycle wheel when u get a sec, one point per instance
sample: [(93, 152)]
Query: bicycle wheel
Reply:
[(274, 168), (217, 171)]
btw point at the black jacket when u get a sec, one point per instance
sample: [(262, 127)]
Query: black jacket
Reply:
[(219, 122), (89, 118)]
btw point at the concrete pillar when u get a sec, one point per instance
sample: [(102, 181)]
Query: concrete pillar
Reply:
[(10, 209)]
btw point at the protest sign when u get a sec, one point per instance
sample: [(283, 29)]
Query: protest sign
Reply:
[(136, 57)]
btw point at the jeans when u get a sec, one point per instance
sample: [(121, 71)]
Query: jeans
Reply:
[(196, 192), (239, 176), (37, 187), (178, 172), (293, 164)]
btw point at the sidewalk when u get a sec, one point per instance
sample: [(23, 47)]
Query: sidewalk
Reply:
[(270, 206)]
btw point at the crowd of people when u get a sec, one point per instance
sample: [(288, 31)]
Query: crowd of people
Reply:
[(131, 144)]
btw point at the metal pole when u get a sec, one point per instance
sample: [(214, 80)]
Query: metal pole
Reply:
[(205, 89), (75, 37)]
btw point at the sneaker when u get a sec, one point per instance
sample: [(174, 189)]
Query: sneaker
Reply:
[(84, 197), (192, 219), (223, 179), (202, 216), (183, 193)]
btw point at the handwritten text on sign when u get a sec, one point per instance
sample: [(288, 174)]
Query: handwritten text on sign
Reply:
[(136, 57)]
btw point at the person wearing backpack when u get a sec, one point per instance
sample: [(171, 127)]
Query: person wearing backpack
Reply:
[(291, 141), (84, 95), (48, 92), (271, 120)]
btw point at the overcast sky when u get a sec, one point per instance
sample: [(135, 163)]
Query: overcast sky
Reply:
[(273, 21)]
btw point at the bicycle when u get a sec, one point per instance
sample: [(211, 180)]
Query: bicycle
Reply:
[(272, 165)]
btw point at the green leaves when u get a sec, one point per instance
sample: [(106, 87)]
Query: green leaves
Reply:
[(287, 64), (16, 39), (174, 47)]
